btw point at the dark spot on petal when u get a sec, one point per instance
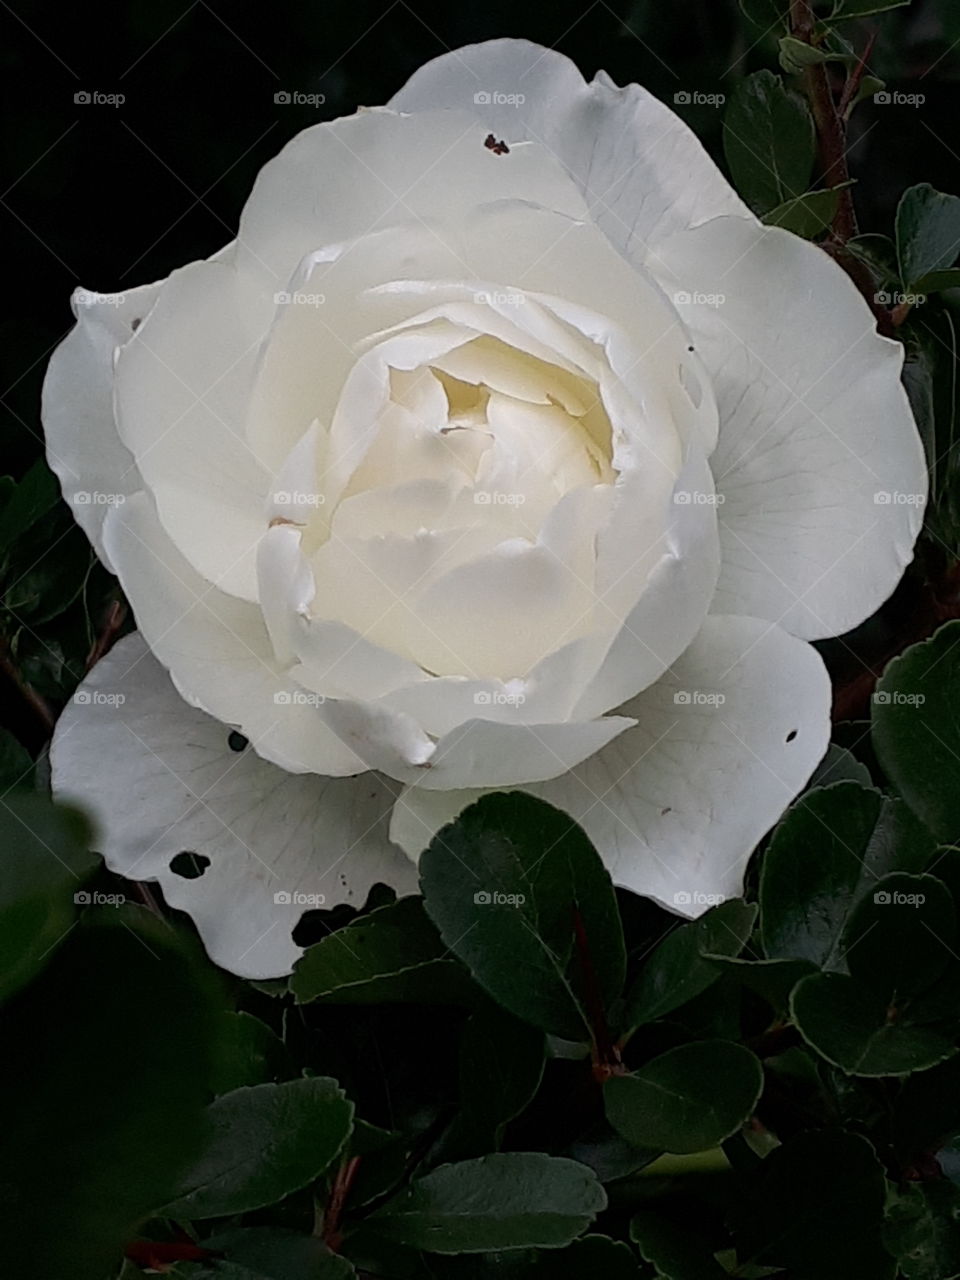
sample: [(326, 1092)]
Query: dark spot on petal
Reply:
[(690, 348), (236, 741), (189, 866), (135, 324), (790, 736), (664, 812), (497, 146)]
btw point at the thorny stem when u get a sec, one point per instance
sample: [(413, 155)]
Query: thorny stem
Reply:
[(330, 1232), (830, 121)]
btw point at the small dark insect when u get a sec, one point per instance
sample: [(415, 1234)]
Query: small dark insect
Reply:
[(498, 148)]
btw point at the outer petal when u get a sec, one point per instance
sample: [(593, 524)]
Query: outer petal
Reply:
[(677, 804), (642, 171), (819, 459), (161, 779), (84, 449), (217, 649)]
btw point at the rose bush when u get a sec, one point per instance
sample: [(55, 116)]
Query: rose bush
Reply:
[(503, 448)]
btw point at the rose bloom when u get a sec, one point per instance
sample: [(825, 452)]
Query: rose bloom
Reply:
[(503, 448)]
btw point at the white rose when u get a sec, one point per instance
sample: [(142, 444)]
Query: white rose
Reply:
[(504, 447)]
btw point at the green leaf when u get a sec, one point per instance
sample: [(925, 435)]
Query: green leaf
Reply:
[(796, 55), (879, 253), (36, 494), (688, 1099), (272, 1253), (840, 765), (916, 729), (815, 1207), (508, 884), (676, 1246), (939, 281), (849, 1024), (678, 971), (250, 1053), (263, 1143), (16, 766), (514, 1200), (928, 233), (830, 849), (922, 1231), (902, 936), (927, 1111), (501, 1065), (45, 861), (769, 141), (103, 1080), (772, 979), (392, 955), (808, 215)]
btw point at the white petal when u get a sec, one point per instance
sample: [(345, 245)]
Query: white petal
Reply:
[(217, 649), (642, 171), (377, 169), (160, 778), (84, 448), (674, 602), (182, 389), (677, 804), (819, 459)]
